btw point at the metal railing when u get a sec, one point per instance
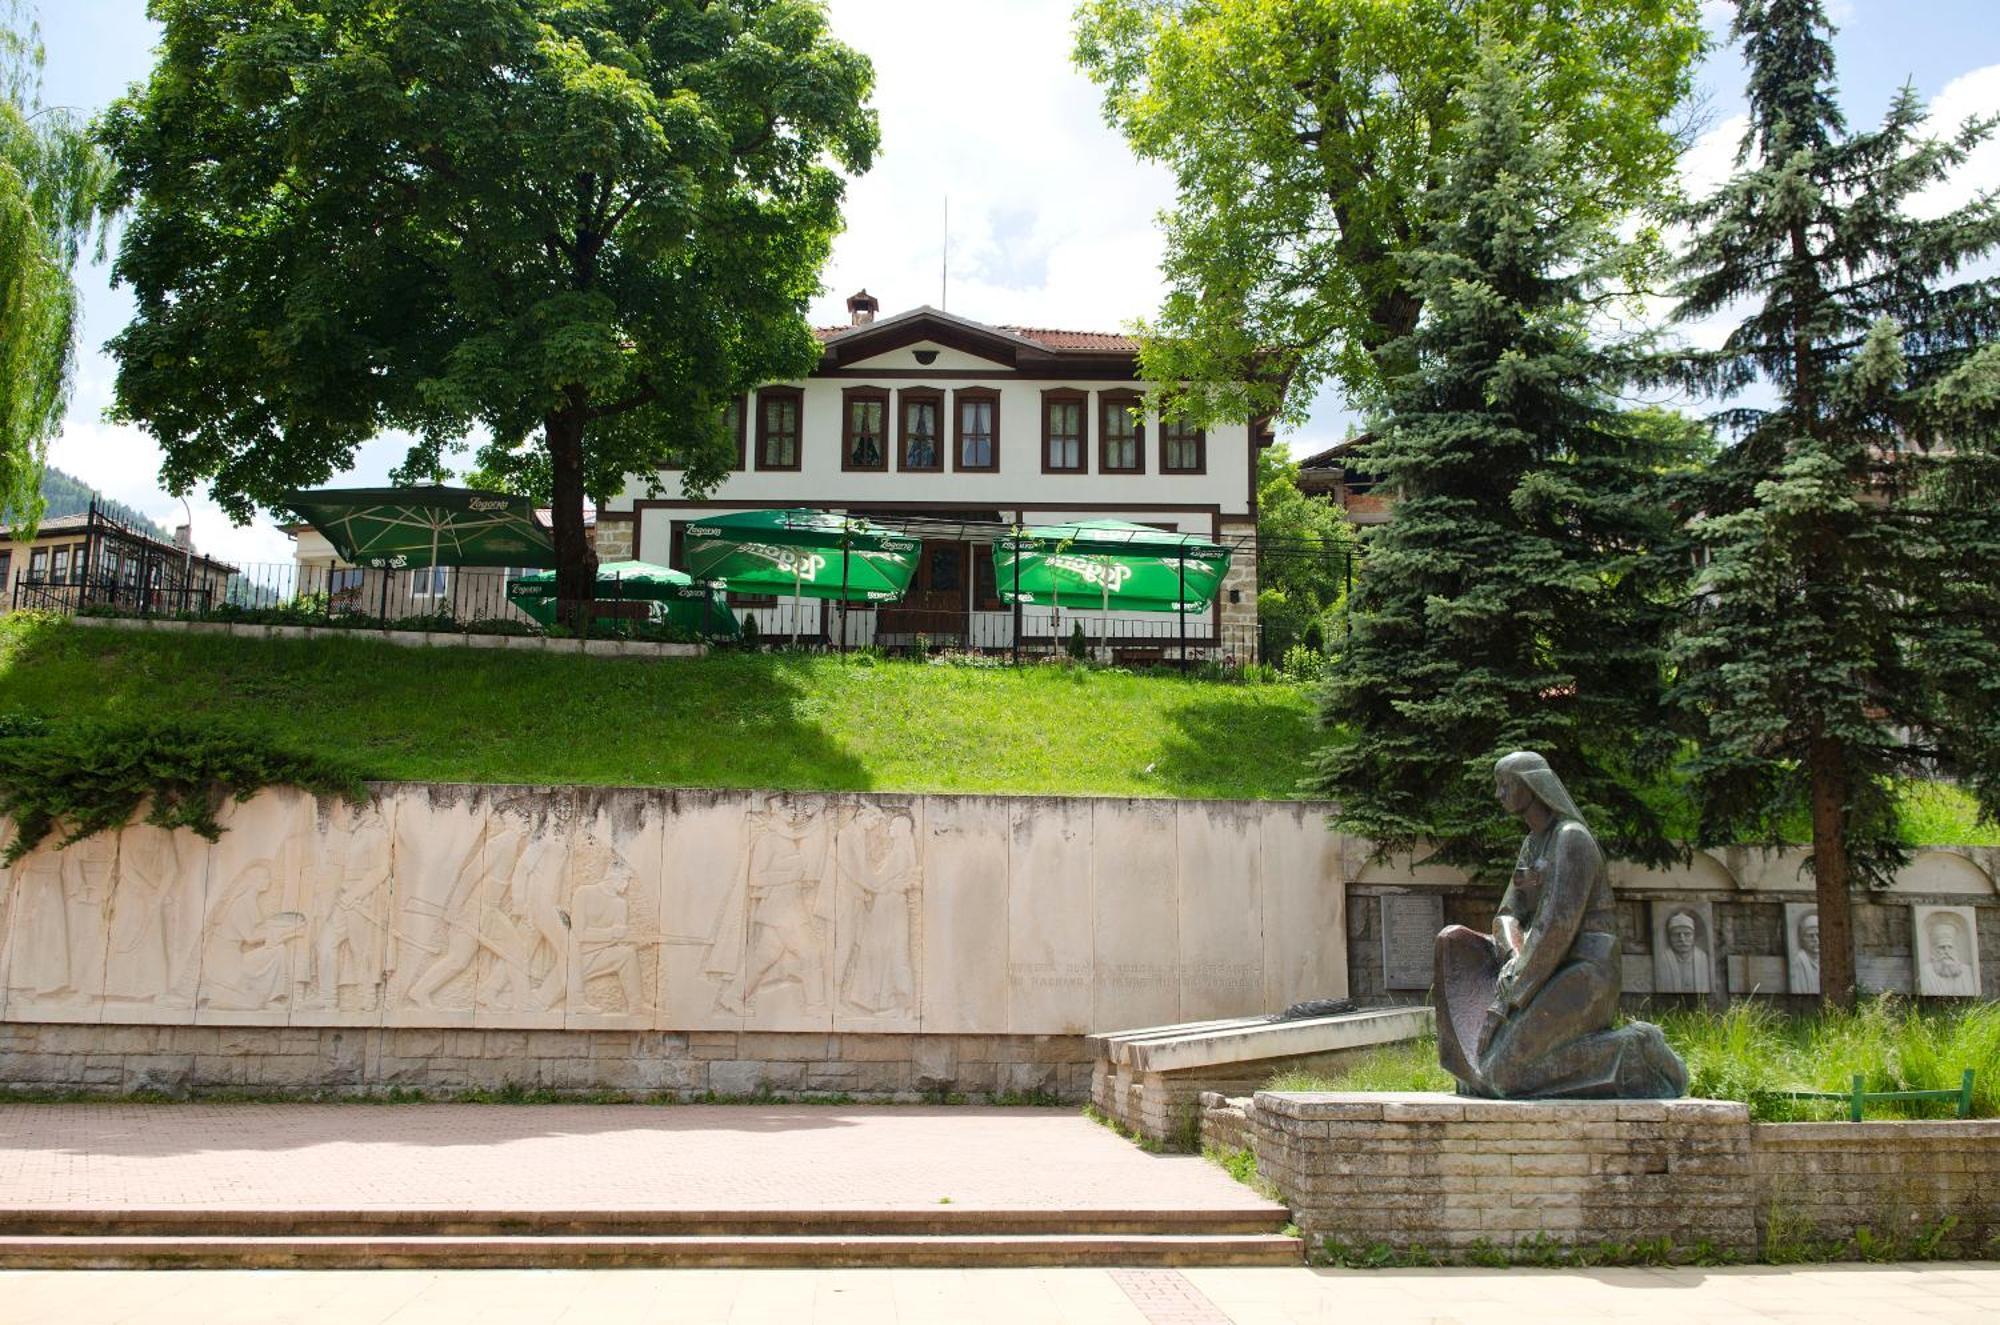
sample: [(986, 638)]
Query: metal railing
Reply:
[(475, 598)]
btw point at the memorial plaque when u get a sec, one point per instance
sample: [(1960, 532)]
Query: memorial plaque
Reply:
[(1802, 947), (1410, 925), (1683, 948), (1947, 950)]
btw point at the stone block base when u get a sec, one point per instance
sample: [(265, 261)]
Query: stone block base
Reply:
[(276, 1060), (1447, 1174)]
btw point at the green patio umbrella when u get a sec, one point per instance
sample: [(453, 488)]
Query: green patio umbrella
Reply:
[(430, 525), (1123, 566), (804, 553), (695, 608)]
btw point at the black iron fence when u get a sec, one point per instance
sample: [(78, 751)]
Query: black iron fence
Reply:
[(475, 599)]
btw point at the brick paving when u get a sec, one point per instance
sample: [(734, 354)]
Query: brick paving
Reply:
[(1166, 1297), (1945, 1294), (585, 1157)]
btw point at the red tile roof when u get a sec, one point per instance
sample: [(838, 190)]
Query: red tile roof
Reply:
[(1077, 340)]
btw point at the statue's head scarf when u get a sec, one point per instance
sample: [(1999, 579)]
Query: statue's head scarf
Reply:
[(1534, 773)]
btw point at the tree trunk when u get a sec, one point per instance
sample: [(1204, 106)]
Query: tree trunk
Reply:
[(576, 560), (1830, 874)]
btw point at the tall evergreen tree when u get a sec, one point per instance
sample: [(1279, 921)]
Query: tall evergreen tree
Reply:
[(1848, 630), (1519, 598)]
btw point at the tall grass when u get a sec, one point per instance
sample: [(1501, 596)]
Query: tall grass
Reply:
[(1751, 1051)]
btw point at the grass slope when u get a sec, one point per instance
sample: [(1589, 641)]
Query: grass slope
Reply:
[(734, 720), (1752, 1050)]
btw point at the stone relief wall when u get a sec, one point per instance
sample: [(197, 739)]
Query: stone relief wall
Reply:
[(515, 908), (1730, 924)]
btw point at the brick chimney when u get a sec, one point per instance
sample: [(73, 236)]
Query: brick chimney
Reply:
[(183, 537), (861, 308)]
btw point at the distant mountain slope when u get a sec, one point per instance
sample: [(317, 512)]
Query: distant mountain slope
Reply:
[(68, 495)]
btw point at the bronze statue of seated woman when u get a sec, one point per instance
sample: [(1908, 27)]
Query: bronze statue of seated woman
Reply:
[(1527, 1011)]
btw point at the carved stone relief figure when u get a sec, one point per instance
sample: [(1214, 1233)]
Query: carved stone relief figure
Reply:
[(523, 936), (880, 880), (608, 968), (438, 867), (253, 938), (347, 878), (1682, 942), (1946, 951), (776, 928), (1802, 946), (156, 906), (61, 911)]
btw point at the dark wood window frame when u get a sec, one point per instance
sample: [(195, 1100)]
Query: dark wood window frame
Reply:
[(742, 404), (1063, 395), (913, 395), (1167, 466), (960, 398), (1111, 404), (771, 395), (849, 398)]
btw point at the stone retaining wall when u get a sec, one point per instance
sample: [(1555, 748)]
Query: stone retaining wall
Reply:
[(1446, 1174), (114, 1060), (1898, 1179)]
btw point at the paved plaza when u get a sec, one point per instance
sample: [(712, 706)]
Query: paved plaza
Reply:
[(1821, 1295), (585, 1157)]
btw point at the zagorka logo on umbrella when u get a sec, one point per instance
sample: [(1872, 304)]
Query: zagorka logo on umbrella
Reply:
[(1102, 574), (485, 504)]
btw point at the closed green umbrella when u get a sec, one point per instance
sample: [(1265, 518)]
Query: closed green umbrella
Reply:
[(695, 608), (807, 554), (1122, 566)]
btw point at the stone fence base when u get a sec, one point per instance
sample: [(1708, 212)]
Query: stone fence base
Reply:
[(1451, 1175), (112, 1060)]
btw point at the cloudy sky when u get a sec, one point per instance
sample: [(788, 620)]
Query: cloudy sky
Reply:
[(1051, 218)]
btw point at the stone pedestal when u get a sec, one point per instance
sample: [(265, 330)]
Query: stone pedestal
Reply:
[(1151, 1080), (1446, 1173)]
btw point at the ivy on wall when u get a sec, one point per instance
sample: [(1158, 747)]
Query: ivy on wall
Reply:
[(78, 778)]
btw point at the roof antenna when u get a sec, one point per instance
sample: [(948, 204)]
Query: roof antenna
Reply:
[(944, 257)]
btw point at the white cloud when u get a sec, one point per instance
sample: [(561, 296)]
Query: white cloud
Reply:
[(1051, 217), (1974, 95)]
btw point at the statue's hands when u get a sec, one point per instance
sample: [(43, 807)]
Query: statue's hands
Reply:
[(1495, 1019)]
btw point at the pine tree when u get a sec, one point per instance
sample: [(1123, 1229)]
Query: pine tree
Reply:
[(1848, 623), (1520, 595)]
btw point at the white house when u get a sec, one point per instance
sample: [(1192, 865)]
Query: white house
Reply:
[(954, 430)]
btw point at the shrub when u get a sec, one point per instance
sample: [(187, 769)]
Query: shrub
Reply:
[(89, 777), (1303, 662), (1079, 648), (501, 625)]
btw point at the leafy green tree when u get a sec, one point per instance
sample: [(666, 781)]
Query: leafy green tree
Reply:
[(52, 183), (1848, 630), (1519, 596), (1307, 138), (1303, 550), (574, 226)]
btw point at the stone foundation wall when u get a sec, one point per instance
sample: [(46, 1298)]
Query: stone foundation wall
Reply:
[(363, 1061), (1445, 1173), (1826, 1180)]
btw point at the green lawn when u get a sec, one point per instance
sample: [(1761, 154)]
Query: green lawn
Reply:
[(1751, 1051), (731, 720)]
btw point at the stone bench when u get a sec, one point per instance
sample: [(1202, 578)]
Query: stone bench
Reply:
[(1151, 1079)]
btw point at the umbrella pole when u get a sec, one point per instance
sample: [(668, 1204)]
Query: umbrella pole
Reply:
[(431, 570), (382, 598), (1180, 603), (798, 577), (1104, 634), (843, 595), (1017, 599)]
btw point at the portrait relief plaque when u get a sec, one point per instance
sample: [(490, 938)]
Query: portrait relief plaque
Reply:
[(1410, 924), (1945, 942), (1802, 947), (1683, 948)]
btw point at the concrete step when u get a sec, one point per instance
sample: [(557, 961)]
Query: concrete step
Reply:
[(570, 1252), (419, 1222)]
